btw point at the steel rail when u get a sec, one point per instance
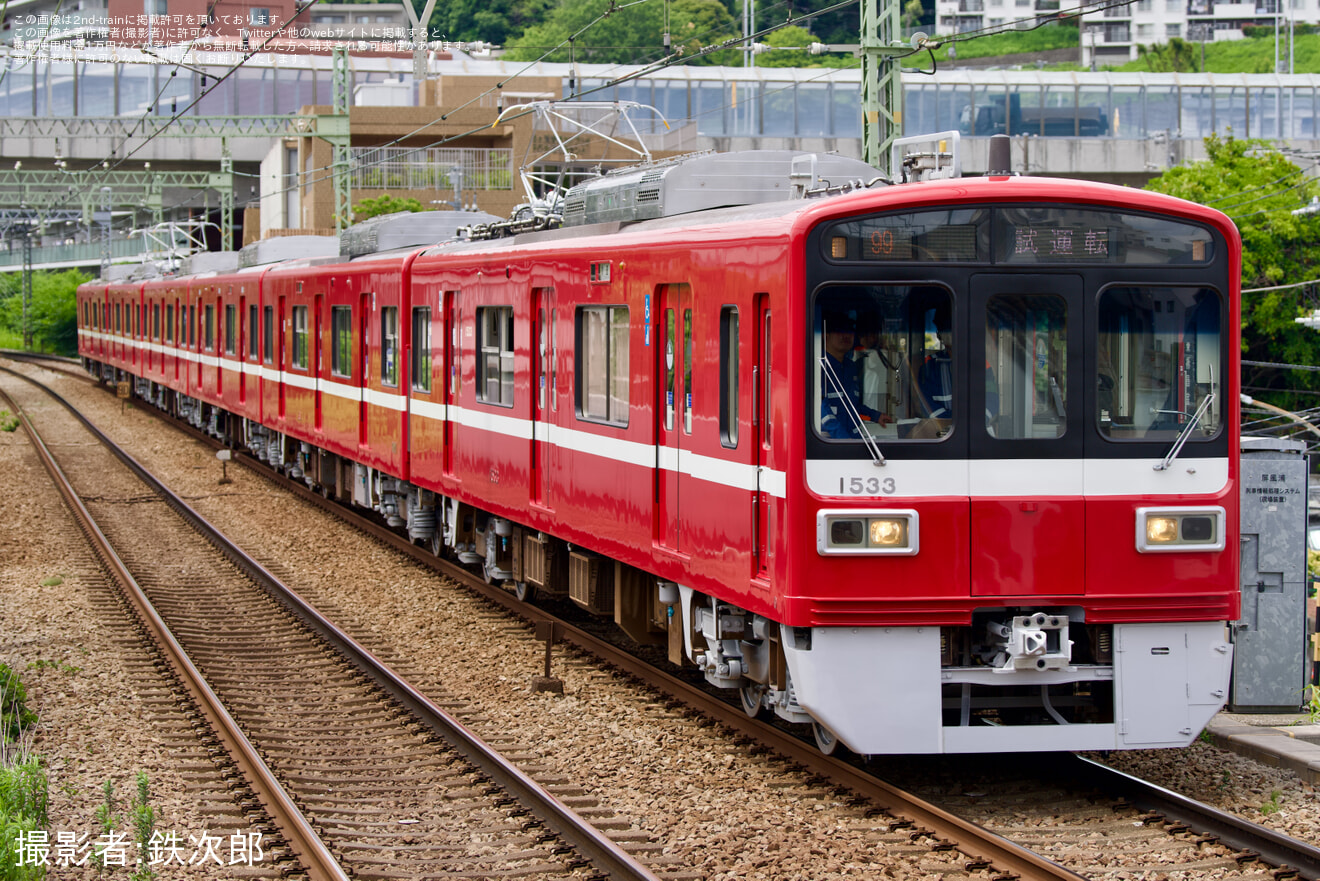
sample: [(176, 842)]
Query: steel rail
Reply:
[(1273, 847), (320, 863), (977, 843), (981, 846), (18, 355), (587, 840)]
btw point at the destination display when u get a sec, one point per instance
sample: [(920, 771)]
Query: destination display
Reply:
[(1019, 235)]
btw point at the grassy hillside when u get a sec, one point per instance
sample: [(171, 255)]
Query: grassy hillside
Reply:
[(1249, 55), (1052, 36)]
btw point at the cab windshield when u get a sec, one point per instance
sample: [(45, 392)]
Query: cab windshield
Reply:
[(1158, 359), (885, 362), (1020, 331)]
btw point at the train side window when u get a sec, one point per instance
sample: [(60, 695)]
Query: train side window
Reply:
[(495, 355), (268, 334), (208, 339), (118, 313), (252, 333), (603, 375), (670, 373), (231, 327), (389, 345), (687, 371), (169, 323), (766, 433), (300, 337), (341, 336), (420, 366), (155, 321), (729, 376)]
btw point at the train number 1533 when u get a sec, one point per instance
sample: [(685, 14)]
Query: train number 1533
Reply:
[(866, 486)]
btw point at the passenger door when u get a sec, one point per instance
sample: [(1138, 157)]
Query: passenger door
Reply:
[(544, 402), (673, 410), (761, 433), (1025, 390)]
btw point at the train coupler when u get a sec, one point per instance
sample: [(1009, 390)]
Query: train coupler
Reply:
[(1029, 642)]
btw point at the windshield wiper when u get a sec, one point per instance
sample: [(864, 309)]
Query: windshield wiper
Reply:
[(851, 409), (1186, 432)]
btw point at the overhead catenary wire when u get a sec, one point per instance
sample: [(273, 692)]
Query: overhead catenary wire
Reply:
[(674, 58), (1297, 186), (1281, 287), (663, 63), (325, 172), (222, 78), (1310, 367)]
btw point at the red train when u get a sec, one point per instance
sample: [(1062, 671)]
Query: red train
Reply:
[(933, 467)]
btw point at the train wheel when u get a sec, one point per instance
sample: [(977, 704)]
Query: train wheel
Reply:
[(826, 742), (751, 698), (525, 591)]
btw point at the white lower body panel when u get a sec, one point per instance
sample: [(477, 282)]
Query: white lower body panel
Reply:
[(878, 689)]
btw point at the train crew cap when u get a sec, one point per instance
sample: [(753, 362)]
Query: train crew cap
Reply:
[(839, 321)]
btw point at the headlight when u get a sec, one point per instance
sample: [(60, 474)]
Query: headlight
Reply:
[(888, 532), (866, 532), (1180, 529), (1161, 530)]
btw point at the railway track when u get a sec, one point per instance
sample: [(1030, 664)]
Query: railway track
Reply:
[(1180, 831), (363, 776), (1094, 836)]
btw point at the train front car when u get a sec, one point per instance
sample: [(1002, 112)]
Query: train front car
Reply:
[(1018, 523)]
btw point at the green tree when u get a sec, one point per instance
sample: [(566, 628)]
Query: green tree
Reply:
[(913, 14), (385, 204), (53, 312), (1175, 56), (1258, 187), (494, 21), (601, 33)]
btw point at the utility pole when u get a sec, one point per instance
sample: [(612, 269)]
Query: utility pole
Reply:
[(335, 129), (882, 88), (749, 28), (26, 227), (105, 233)]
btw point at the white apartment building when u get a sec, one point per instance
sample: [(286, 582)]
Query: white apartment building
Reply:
[(1111, 33)]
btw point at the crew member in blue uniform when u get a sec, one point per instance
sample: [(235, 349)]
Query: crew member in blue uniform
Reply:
[(843, 378)]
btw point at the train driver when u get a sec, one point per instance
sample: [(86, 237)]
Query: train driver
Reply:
[(872, 363), (840, 377)]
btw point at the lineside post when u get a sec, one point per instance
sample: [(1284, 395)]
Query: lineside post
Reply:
[(882, 88)]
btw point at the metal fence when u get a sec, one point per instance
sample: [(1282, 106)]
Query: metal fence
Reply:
[(67, 256), (433, 168)]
